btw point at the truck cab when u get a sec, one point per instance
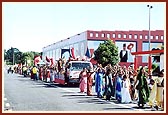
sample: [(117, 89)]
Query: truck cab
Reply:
[(73, 70)]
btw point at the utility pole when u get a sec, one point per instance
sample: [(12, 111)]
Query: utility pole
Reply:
[(13, 55), (149, 38)]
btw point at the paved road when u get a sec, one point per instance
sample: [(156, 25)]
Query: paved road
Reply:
[(24, 94)]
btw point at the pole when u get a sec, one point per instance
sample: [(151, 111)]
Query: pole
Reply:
[(13, 56), (149, 38), (149, 31)]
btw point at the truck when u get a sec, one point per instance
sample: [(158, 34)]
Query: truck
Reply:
[(70, 75)]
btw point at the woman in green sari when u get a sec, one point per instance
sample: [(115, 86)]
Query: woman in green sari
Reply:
[(142, 87)]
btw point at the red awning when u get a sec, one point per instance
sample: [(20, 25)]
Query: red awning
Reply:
[(153, 52)]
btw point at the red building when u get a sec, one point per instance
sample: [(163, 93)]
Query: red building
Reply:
[(137, 37), (92, 39)]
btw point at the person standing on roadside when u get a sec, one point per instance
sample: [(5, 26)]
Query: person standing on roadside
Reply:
[(41, 73), (35, 72), (89, 82), (125, 94), (142, 87), (118, 85), (160, 87), (24, 71), (83, 80), (99, 83), (108, 84)]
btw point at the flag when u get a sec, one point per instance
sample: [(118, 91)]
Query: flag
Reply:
[(37, 59), (47, 59), (72, 53), (64, 50), (52, 62), (92, 52), (88, 53)]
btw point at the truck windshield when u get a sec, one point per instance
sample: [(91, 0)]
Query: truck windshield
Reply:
[(79, 66)]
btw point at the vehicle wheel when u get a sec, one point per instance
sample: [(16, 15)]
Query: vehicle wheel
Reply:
[(68, 84), (77, 84)]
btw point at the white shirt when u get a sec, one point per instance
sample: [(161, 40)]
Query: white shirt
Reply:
[(123, 52)]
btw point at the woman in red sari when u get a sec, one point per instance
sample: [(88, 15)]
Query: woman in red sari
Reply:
[(89, 82), (41, 73)]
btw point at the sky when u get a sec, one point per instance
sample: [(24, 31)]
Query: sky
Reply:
[(32, 26)]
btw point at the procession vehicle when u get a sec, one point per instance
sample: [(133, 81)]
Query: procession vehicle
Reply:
[(70, 74)]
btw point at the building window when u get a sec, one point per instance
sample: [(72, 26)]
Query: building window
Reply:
[(157, 37), (103, 35), (91, 34), (125, 36), (113, 35), (119, 35), (151, 37), (135, 36), (146, 36), (108, 35), (140, 36), (162, 38), (130, 36), (97, 35)]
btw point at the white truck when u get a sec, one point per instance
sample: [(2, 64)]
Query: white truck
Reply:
[(72, 71)]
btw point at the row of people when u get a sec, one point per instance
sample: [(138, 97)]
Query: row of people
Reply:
[(125, 85)]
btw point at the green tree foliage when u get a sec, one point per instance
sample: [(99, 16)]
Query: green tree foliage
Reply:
[(29, 56), (154, 66), (107, 53), (162, 47), (19, 57), (12, 53)]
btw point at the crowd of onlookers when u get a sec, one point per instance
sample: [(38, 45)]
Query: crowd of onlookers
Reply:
[(121, 83), (127, 85)]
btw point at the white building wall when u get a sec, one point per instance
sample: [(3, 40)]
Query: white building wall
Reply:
[(78, 42)]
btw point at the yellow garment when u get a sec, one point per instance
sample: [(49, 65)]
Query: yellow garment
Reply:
[(24, 68), (159, 95), (34, 70), (152, 97)]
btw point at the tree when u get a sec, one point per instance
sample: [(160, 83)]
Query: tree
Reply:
[(107, 53), (162, 47), (13, 55), (29, 56)]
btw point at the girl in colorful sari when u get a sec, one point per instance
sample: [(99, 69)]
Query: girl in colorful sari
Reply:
[(99, 83), (126, 97), (119, 85), (83, 80), (142, 87), (108, 84), (159, 94), (89, 82)]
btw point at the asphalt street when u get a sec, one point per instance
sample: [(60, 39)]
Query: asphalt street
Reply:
[(21, 94)]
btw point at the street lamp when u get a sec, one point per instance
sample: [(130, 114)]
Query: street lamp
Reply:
[(13, 55), (150, 7), (149, 38)]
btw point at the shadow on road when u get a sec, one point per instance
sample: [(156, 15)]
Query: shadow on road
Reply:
[(83, 98), (94, 101), (44, 85), (68, 86), (48, 84), (115, 108), (75, 95), (136, 107)]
